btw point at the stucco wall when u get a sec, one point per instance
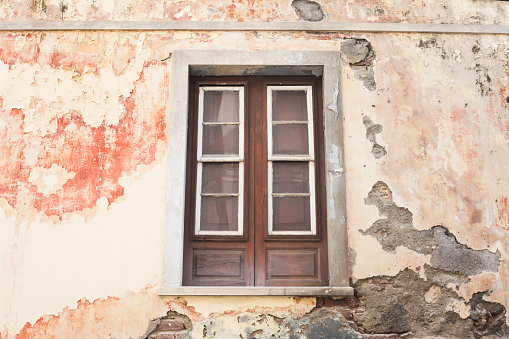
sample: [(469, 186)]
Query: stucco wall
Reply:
[(438, 11), (83, 136)]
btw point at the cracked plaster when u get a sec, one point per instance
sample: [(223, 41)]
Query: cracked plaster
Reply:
[(446, 136)]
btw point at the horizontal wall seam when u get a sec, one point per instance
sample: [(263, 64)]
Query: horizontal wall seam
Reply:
[(250, 26)]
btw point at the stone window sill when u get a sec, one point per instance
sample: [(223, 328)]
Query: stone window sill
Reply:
[(255, 291)]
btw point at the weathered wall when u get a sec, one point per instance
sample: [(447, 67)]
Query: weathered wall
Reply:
[(438, 11), (83, 131)]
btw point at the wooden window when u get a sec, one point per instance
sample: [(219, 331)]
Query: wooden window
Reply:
[(255, 189)]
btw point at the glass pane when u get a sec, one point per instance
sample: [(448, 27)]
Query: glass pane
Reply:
[(291, 214), (221, 106), (220, 178), (219, 214), (220, 140), (290, 177), (289, 105), (290, 139)]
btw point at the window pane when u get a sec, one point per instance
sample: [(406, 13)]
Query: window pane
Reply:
[(220, 178), (290, 139), (289, 105), (221, 106), (290, 177), (219, 214), (220, 140), (291, 214)]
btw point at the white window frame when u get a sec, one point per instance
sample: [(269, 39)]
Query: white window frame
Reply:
[(221, 62), (310, 158), (239, 158)]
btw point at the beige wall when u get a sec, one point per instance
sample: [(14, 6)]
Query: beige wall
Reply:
[(83, 132), (438, 11)]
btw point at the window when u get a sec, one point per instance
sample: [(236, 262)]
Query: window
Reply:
[(185, 64), (255, 189)]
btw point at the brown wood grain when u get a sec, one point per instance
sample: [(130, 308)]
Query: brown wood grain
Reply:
[(255, 258)]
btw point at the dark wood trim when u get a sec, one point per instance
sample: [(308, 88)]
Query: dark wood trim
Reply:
[(255, 193)]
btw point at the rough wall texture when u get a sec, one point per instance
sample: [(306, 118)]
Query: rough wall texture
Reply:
[(83, 130), (439, 11)]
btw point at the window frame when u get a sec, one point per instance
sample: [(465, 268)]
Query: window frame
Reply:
[(185, 63), (271, 158), (257, 250), (201, 159)]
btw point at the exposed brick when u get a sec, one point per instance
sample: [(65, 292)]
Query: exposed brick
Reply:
[(164, 335), (347, 314), (352, 302), (355, 327), (381, 336), (171, 324)]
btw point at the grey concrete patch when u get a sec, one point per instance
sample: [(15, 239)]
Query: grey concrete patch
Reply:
[(443, 278), (378, 151), (395, 228), (320, 323), (359, 54), (447, 254), (355, 51), (366, 75), (372, 130), (452, 256), (308, 10)]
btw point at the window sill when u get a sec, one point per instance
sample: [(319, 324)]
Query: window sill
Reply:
[(255, 291)]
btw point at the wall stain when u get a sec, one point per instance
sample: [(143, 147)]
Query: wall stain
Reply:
[(483, 80), (98, 156), (432, 44), (38, 6)]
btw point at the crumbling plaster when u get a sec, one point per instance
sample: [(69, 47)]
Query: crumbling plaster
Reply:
[(444, 130), (442, 11)]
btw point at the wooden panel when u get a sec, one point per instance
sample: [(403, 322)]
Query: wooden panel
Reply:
[(291, 263), (218, 263), (279, 260)]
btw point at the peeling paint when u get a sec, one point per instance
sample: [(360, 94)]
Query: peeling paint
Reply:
[(96, 155), (333, 106), (322, 322), (386, 306), (100, 316), (267, 10), (83, 132), (397, 229), (335, 171)]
